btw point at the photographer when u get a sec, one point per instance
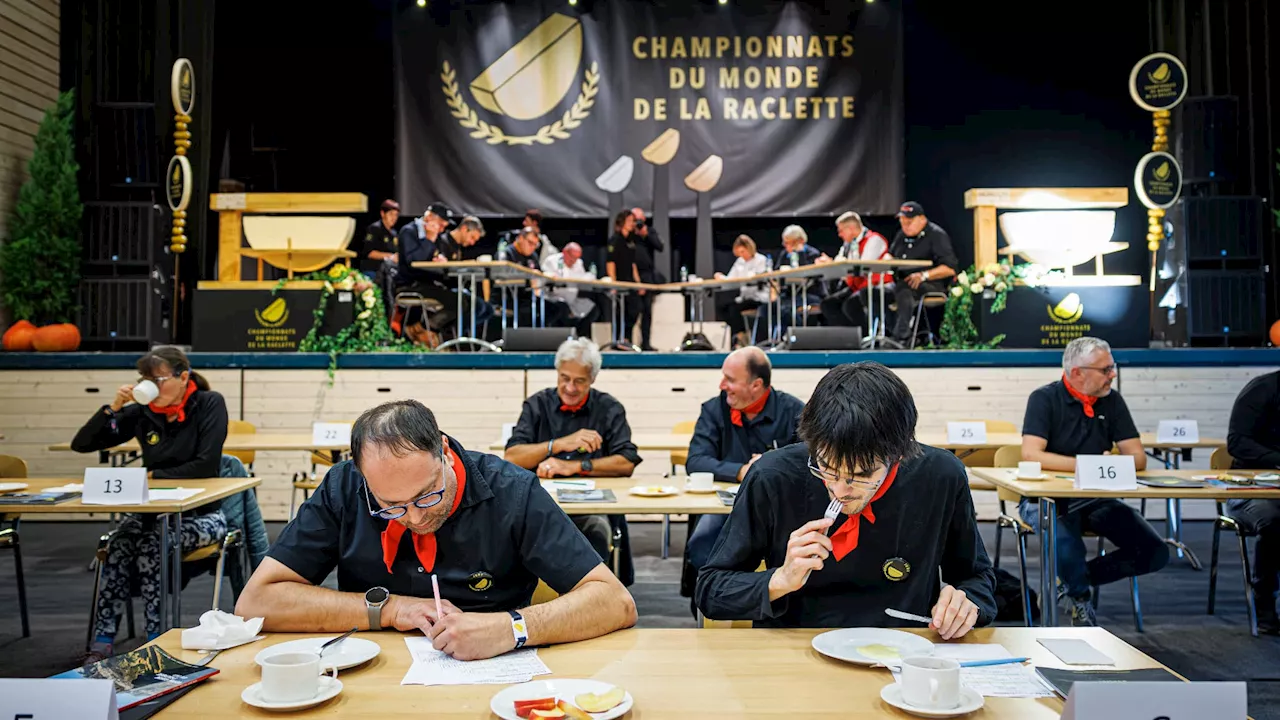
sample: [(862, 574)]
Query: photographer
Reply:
[(647, 242)]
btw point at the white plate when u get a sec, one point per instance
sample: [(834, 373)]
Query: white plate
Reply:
[(849, 645), (700, 491), (655, 490), (969, 701), (347, 654), (1041, 476), (12, 487), (329, 689), (1266, 476), (503, 703)]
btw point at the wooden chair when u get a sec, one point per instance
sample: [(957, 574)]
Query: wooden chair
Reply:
[(1222, 460), (986, 457), (678, 457), (242, 427), (15, 467), (543, 593)]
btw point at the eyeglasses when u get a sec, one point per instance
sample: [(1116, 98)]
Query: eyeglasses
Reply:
[(833, 478), (158, 380), (422, 502), (1107, 369)]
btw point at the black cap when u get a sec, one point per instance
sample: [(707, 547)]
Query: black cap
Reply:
[(910, 209), (440, 210)]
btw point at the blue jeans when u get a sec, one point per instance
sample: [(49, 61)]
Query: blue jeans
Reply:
[(1139, 548), (703, 539)]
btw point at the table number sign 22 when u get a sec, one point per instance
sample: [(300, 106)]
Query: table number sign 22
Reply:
[(1174, 431), (331, 433), (1105, 472), (115, 486), (967, 433)]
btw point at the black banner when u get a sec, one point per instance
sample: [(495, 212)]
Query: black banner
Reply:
[(1051, 317), (508, 106), (257, 321)]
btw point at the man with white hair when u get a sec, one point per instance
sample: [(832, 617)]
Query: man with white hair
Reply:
[(796, 252), (1081, 415), (582, 305), (844, 307), (573, 430)]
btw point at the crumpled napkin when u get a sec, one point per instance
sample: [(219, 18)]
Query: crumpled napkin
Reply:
[(220, 631)]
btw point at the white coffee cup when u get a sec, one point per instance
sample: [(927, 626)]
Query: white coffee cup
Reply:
[(485, 258), (292, 677), (1029, 469), (701, 480), (145, 392), (930, 682)]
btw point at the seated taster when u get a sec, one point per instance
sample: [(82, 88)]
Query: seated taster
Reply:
[(584, 306), (906, 522), (412, 502), (747, 419), (1081, 415), (524, 252), (574, 430), (1253, 439)]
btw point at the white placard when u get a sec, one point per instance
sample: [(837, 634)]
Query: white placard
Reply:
[(325, 434), (1156, 700), (115, 486), (967, 433), (229, 201), (1105, 472), (48, 699), (1176, 431)]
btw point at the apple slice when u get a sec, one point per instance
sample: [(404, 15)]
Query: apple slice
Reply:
[(594, 703), (571, 711), (554, 713)]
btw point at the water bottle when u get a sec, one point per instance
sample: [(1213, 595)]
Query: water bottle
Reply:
[(795, 259), (502, 249), (684, 273), (593, 271)]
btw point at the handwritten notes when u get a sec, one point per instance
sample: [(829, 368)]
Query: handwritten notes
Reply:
[(432, 667)]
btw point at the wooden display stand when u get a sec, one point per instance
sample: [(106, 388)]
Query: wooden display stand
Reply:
[(985, 201), (231, 208)]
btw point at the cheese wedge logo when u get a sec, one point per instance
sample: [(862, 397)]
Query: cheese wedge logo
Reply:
[(480, 581), (1160, 74), (1162, 172), (1068, 311), (273, 315), (896, 569)]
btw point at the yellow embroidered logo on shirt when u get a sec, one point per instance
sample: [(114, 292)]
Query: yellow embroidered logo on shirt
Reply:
[(896, 569)]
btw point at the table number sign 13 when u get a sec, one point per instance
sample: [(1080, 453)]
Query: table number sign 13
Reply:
[(1105, 472), (1175, 431), (331, 433), (115, 486), (967, 433)]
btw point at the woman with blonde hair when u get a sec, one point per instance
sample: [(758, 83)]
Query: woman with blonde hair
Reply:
[(730, 304)]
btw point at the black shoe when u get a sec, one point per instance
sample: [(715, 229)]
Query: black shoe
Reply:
[(1268, 622)]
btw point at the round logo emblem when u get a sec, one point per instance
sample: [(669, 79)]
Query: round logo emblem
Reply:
[(179, 183), (896, 569), (1158, 82), (182, 86), (1158, 180), (480, 581), (153, 437)]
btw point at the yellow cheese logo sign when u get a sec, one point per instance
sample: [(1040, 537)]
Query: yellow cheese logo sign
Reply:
[(273, 315), (525, 83), (1162, 172), (1067, 312), (1160, 74)]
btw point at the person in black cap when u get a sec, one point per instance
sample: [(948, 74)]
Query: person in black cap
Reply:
[(379, 240), (919, 239), (418, 244)]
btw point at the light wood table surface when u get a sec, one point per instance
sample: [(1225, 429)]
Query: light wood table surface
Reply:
[(703, 674), (214, 489), (261, 442), (628, 504)]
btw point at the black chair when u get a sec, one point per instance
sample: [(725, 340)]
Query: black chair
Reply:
[(15, 467), (1221, 460)]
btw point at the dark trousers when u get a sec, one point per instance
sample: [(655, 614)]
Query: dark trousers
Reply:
[(844, 308), (730, 311), (599, 309), (646, 318), (802, 301), (448, 298), (703, 539), (632, 306), (1263, 517), (906, 297), (1139, 548)]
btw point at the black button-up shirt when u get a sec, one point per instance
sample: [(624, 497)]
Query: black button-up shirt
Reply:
[(415, 248), (718, 446), (541, 420), (932, 244), (923, 521), (623, 254), (646, 246), (1253, 436), (377, 238), (506, 534), (1057, 417), (807, 255)]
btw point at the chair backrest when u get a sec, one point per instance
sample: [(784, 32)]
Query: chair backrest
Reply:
[(987, 457), (684, 428), (1008, 456), (12, 466), (242, 427), (1220, 459), (543, 593)]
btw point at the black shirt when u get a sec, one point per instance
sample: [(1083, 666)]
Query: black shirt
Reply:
[(1057, 417), (718, 446), (377, 238), (414, 249), (447, 247), (1253, 436), (932, 244), (646, 245), (806, 255), (506, 534), (541, 420), (623, 254), (923, 521), (190, 449)]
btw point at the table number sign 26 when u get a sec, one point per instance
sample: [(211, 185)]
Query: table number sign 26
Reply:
[(115, 486), (324, 434), (1174, 431), (967, 433), (1105, 472)]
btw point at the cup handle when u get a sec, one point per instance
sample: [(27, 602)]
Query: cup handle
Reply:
[(326, 671), (933, 691)]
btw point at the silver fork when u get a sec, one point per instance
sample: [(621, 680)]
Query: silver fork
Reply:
[(833, 512)]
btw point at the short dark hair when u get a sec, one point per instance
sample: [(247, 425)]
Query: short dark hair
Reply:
[(758, 366), (860, 415), (535, 215), (402, 427), (621, 219)]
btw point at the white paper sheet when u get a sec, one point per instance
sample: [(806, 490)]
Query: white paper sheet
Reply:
[(178, 494), (1012, 680), (432, 667)]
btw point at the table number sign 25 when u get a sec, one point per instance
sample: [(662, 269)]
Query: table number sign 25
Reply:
[(331, 433), (1174, 431), (115, 486), (1105, 472), (967, 433)]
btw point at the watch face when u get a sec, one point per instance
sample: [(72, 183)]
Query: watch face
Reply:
[(376, 596)]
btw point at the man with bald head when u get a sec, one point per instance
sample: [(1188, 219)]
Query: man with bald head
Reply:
[(747, 419), (583, 305)]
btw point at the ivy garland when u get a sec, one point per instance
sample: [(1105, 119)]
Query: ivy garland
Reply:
[(958, 331)]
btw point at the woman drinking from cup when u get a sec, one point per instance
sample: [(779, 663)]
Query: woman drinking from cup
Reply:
[(180, 425)]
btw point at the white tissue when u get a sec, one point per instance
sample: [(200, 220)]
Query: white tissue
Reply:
[(219, 631)]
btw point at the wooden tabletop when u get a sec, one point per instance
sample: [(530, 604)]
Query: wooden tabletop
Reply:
[(1060, 485), (628, 504), (214, 489), (243, 441), (702, 674)]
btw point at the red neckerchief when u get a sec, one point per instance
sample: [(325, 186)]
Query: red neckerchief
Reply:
[(423, 545), (735, 416), (1086, 400), (575, 408), (846, 538), (180, 409)]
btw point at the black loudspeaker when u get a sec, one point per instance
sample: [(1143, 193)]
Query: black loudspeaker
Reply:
[(1227, 304), (1224, 228), (1210, 140), (824, 338), (534, 339)]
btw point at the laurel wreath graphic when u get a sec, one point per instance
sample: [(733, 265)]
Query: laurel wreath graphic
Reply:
[(547, 134)]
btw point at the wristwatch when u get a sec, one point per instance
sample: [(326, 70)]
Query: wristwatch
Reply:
[(518, 629), (586, 466), (374, 599)]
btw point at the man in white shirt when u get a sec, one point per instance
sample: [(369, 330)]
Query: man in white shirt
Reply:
[(583, 305), (844, 306)]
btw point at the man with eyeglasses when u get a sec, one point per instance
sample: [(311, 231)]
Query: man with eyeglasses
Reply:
[(1081, 415), (904, 536), (413, 504)]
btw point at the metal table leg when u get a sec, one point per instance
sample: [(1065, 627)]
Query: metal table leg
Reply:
[(165, 589), (461, 338), (175, 541), (1048, 563)]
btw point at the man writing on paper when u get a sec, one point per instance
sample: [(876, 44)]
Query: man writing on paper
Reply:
[(905, 516), (411, 503), (1081, 415), (583, 304), (1253, 439)]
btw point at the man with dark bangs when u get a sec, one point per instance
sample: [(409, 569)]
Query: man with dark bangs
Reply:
[(904, 538)]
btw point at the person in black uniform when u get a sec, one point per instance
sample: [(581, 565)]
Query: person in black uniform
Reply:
[(797, 252), (1253, 439), (379, 240), (906, 537), (449, 247), (919, 239), (418, 244), (181, 432), (524, 252), (648, 242), (413, 504), (620, 264)]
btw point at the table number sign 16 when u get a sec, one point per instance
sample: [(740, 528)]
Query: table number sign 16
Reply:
[(325, 434), (967, 433), (115, 486), (1105, 472), (1175, 431)]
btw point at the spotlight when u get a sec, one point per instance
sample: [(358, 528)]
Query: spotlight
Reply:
[(573, 2), (422, 3), (724, 2)]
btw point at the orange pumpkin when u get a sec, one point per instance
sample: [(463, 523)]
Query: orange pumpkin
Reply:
[(1275, 333), (57, 338), (18, 337)]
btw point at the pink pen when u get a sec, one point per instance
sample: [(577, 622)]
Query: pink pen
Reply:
[(435, 589)]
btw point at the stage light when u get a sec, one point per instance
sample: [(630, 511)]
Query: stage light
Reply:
[(573, 2), (422, 3), (724, 2)]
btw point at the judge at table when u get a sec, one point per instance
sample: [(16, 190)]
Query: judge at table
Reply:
[(905, 518), (1253, 439), (411, 503)]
